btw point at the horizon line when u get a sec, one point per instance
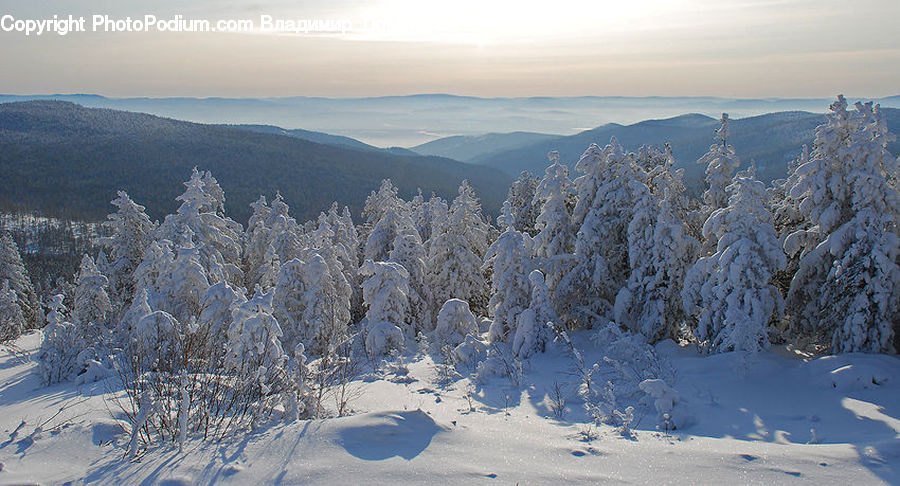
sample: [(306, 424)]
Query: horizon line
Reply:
[(448, 95)]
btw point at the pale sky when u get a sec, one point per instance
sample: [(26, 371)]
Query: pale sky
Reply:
[(728, 48)]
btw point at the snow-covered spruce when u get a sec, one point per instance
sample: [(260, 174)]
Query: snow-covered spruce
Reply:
[(523, 204), (379, 202), (509, 258), (721, 162), (12, 321), (12, 270), (455, 321), (553, 243), (535, 325), (861, 287), (428, 216), (386, 293), (155, 263), (92, 310), (607, 194), (383, 337), (660, 252), (283, 231), (216, 317), (140, 307), (455, 253), (254, 349), (409, 251), (321, 240), (185, 282), (345, 248), (217, 237), (728, 293), (312, 303), (847, 195), (256, 241), (60, 346), (394, 222), (299, 401), (130, 231)]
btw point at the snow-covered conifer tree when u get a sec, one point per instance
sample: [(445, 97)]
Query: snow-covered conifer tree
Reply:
[(660, 248), (268, 271), (12, 321), (185, 283), (219, 239), (322, 241), (429, 218), (631, 299), (345, 247), (728, 293), (417, 213), (312, 303), (455, 321), (254, 348), (455, 253), (409, 252), (859, 297), (785, 209), (102, 263), (592, 169), (215, 319), (155, 264), (607, 193), (13, 270), (380, 201), (510, 258), (257, 240), (721, 162), (386, 293), (60, 346), (92, 310), (393, 223), (139, 308), (660, 251), (553, 244), (846, 285), (284, 232), (215, 195), (130, 233), (289, 301), (540, 299), (522, 203), (664, 181), (300, 400), (533, 331)]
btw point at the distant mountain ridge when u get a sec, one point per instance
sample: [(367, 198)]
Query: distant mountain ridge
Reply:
[(407, 121), (324, 138), (465, 148), (312, 136), (61, 158), (770, 141)]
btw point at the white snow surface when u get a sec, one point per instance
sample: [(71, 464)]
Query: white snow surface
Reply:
[(770, 418)]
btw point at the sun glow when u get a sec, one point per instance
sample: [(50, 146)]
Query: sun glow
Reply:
[(511, 22)]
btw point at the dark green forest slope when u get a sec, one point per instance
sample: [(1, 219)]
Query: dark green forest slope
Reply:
[(63, 159)]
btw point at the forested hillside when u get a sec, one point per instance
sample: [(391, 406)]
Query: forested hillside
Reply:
[(62, 159), (771, 141)]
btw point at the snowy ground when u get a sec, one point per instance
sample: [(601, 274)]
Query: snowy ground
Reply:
[(774, 419)]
